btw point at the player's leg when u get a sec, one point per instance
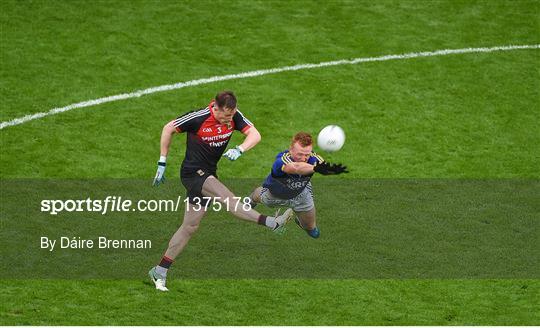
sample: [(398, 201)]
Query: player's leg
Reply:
[(214, 188), (304, 207), (307, 221), (307, 218), (192, 218), (256, 195)]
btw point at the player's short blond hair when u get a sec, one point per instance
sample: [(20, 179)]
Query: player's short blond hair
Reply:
[(304, 139)]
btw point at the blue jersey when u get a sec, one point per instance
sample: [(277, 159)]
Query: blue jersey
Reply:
[(287, 186)]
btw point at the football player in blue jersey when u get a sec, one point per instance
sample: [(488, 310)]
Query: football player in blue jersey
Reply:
[(289, 184)]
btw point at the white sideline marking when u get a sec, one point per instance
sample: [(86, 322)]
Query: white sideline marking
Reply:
[(244, 75)]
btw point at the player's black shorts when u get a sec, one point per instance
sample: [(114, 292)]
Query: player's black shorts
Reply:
[(193, 182)]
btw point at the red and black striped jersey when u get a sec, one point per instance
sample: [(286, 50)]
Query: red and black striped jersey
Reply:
[(207, 139)]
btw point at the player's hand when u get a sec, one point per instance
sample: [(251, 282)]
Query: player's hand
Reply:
[(234, 153), (160, 174), (326, 168), (338, 168)]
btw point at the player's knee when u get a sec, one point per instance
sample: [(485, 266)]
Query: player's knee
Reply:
[(256, 195)]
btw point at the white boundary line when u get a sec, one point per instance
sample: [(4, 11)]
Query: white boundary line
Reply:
[(244, 75)]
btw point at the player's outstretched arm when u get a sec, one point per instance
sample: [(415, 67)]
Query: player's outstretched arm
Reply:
[(326, 168), (323, 168), (298, 168), (252, 139), (166, 136)]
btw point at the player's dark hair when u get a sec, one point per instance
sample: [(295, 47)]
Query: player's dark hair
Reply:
[(226, 99), (303, 138)]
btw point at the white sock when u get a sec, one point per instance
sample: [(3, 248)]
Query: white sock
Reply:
[(161, 271)]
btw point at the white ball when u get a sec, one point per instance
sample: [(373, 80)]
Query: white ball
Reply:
[(331, 138)]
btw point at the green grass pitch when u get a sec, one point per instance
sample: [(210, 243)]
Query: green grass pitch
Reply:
[(459, 117)]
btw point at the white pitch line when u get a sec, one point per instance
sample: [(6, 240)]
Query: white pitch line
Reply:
[(244, 75)]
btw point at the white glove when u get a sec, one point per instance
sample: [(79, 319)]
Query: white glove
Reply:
[(160, 174), (233, 153)]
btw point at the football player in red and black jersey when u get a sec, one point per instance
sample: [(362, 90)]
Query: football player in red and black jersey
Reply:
[(208, 133)]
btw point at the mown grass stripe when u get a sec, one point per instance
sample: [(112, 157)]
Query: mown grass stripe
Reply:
[(244, 75)]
